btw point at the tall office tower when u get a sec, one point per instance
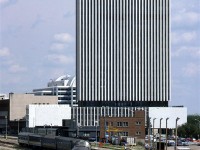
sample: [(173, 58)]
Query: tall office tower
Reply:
[(123, 53)]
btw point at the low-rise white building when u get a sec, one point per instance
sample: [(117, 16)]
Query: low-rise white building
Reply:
[(160, 114), (47, 115)]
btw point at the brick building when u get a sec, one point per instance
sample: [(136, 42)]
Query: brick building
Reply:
[(123, 126)]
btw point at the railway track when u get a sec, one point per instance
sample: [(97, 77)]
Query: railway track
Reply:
[(10, 144)]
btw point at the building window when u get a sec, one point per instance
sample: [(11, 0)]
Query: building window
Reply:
[(122, 124), (119, 124), (125, 124), (138, 123), (138, 133), (111, 123), (122, 133), (86, 134)]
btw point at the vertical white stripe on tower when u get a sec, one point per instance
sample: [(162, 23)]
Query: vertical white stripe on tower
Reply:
[(161, 52), (157, 50), (108, 89), (136, 51), (132, 50), (106, 50), (114, 51), (92, 50), (101, 51), (149, 50), (123, 52), (168, 78), (98, 51), (95, 52), (142, 50), (111, 50), (164, 50), (154, 50), (126, 57), (117, 49)]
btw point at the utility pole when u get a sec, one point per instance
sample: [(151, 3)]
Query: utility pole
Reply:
[(160, 135), (176, 133), (6, 117), (166, 132), (153, 132)]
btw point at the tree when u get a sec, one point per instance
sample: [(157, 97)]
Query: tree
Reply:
[(190, 129)]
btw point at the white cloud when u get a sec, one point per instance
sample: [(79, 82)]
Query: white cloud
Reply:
[(182, 37), (62, 59), (63, 37), (58, 46), (185, 50), (191, 69), (180, 17), (3, 1), (4, 52), (16, 68)]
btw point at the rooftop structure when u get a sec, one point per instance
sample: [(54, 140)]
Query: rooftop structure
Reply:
[(64, 87)]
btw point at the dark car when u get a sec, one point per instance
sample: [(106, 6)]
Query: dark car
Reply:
[(179, 143)]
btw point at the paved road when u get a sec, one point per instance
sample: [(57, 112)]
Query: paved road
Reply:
[(192, 147)]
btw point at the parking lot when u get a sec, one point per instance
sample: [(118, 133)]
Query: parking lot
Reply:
[(192, 147)]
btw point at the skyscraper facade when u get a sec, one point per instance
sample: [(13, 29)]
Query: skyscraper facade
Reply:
[(123, 53)]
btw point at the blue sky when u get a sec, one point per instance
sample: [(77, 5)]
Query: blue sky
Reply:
[(37, 43)]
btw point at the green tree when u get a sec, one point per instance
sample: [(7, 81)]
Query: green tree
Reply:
[(191, 128)]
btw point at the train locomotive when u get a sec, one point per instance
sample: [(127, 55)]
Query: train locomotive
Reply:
[(37, 141)]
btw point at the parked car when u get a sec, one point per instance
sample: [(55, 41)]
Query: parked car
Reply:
[(148, 147), (170, 143), (179, 143), (185, 143)]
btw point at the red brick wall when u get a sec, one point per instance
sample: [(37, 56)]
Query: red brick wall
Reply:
[(132, 127)]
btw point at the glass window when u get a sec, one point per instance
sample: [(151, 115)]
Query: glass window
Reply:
[(138, 123), (138, 133)]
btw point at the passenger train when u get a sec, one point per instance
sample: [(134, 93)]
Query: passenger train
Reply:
[(37, 141)]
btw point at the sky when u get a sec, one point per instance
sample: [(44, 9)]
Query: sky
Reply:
[(37, 44)]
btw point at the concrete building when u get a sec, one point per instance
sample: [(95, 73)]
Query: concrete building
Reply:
[(18, 103), (63, 87), (123, 53), (47, 115), (13, 109), (4, 114)]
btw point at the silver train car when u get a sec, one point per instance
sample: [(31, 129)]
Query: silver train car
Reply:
[(52, 142)]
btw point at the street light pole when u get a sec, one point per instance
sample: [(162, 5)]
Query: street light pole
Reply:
[(166, 132), (176, 133), (149, 132), (6, 125), (18, 126), (96, 131), (160, 135), (105, 126), (153, 131), (77, 134)]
